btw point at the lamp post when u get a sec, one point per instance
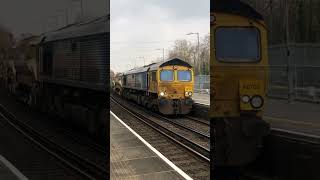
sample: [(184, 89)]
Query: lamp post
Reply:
[(198, 47), (162, 53)]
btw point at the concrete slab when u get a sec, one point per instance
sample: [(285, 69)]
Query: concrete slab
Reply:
[(201, 98), (156, 176), (125, 140), (131, 153), (297, 116), (132, 159)]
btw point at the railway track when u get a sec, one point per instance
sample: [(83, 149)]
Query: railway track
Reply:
[(68, 157), (186, 158), (198, 149), (188, 124), (196, 126), (200, 111), (201, 121), (94, 146)]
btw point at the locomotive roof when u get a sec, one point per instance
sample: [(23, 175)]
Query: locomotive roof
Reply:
[(36, 40), (85, 28), (32, 40), (155, 66), (235, 7)]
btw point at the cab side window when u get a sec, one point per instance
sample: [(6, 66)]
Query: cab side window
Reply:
[(154, 76)]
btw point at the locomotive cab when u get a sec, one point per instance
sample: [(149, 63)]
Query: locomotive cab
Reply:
[(175, 89), (239, 76)]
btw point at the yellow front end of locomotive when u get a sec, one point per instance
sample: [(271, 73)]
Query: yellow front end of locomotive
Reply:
[(251, 95), (175, 89), (238, 84), (175, 86)]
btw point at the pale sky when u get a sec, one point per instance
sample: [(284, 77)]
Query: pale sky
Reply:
[(140, 27), (35, 16)]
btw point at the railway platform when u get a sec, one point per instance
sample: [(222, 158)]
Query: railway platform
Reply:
[(201, 98), (302, 117), (133, 158), (8, 171)]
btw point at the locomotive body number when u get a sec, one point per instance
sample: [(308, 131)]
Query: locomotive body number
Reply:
[(251, 86)]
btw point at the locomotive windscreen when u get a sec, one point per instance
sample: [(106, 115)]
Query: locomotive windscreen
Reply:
[(237, 44), (166, 75), (184, 75)]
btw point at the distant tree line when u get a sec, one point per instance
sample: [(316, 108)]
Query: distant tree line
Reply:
[(188, 52), (112, 73), (303, 19)]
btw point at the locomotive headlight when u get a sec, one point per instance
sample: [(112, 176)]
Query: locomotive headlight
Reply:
[(245, 99), (212, 19), (188, 93), (256, 101)]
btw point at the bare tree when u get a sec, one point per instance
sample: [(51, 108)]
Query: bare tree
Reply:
[(112, 74), (303, 22), (187, 51)]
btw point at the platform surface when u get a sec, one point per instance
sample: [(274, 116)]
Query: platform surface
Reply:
[(301, 117), (201, 98), (8, 171), (132, 159)]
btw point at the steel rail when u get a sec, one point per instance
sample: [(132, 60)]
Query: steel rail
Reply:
[(82, 166), (193, 130), (191, 146), (198, 120), (188, 128)]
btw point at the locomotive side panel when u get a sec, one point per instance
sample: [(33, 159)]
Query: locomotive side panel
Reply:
[(129, 80), (152, 82), (74, 74), (93, 64), (137, 81), (141, 81), (66, 60), (78, 62)]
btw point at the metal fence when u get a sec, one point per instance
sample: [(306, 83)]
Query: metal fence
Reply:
[(304, 67), (202, 84)]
